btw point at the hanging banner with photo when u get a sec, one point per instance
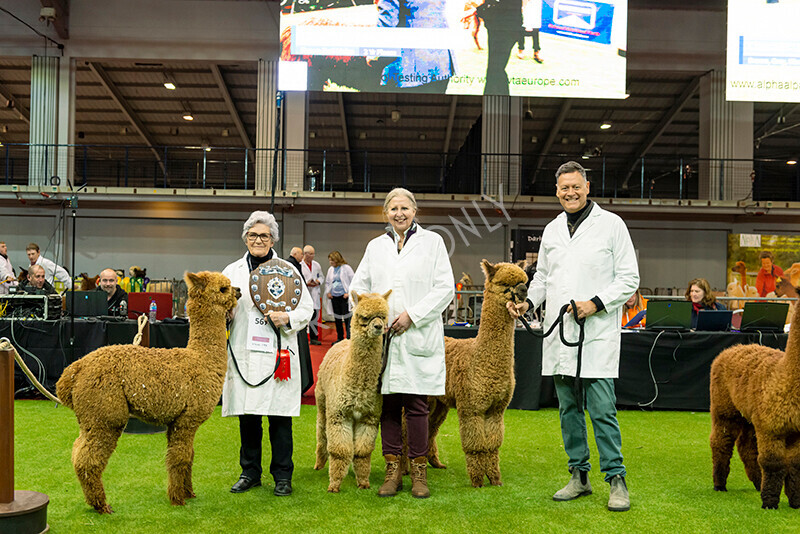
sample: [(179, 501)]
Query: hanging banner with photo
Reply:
[(763, 265)]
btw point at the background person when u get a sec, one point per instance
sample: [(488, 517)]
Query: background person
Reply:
[(115, 295), (531, 24), (8, 277), (312, 272), (36, 283), (586, 255), (414, 264), (278, 400), (295, 257), (632, 307), (503, 20), (52, 271), (698, 292), (337, 289), (768, 274)]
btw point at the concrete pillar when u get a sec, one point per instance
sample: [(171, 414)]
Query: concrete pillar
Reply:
[(501, 144), (266, 116), (726, 142), (295, 136), (44, 119)]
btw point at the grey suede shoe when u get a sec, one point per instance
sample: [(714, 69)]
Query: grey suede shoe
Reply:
[(618, 499), (578, 486)]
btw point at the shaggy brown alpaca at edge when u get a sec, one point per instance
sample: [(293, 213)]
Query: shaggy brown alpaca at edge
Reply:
[(348, 401), (755, 404), (174, 387), (480, 377)]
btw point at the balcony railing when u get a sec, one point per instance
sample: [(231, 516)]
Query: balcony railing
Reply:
[(373, 171)]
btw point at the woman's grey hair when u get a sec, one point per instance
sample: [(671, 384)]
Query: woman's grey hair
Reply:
[(570, 166), (264, 217), (397, 191)]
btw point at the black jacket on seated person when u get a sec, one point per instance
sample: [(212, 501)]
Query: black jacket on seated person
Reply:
[(113, 303), (46, 289)]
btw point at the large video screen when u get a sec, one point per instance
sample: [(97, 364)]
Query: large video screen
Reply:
[(763, 50), (557, 48)]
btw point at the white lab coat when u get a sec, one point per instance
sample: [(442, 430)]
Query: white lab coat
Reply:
[(531, 14), (6, 270), (314, 273), (421, 281), (599, 260), (54, 272), (345, 276), (274, 397)]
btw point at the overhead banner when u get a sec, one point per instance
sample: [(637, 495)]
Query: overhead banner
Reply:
[(763, 56), (555, 48), (763, 265)]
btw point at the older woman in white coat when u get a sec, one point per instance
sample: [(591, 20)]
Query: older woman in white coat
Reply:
[(414, 264), (254, 345)]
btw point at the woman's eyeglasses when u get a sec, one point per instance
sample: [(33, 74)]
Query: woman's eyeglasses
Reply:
[(255, 237)]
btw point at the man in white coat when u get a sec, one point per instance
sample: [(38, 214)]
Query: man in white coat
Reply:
[(52, 271), (312, 272), (8, 277), (586, 255), (254, 345)]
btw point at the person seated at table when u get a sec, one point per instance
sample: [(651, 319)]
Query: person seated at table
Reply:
[(698, 292), (114, 294), (632, 307), (36, 283)]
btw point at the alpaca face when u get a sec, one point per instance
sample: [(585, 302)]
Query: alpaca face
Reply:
[(371, 314), (507, 280), (212, 289)]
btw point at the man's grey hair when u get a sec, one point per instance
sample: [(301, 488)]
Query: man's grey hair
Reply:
[(264, 217), (568, 167)]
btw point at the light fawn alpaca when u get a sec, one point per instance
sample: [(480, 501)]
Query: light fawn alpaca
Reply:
[(174, 387), (480, 377), (348, 401), (755, 403)]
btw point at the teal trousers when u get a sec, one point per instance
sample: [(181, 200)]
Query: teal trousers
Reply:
[(601, 405)]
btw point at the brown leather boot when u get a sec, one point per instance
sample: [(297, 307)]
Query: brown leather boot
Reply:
[(419, 478), (394, 477)]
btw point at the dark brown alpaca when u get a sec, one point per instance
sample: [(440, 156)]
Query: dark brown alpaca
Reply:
[(755, 404), (480, 377)]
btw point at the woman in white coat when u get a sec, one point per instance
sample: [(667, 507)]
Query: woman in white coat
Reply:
[(414, 264), (254, 345), (337, 289)]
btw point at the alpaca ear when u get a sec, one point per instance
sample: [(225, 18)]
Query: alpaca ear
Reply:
[(192, 280), (356, 297), (488, 268), (386, 295)]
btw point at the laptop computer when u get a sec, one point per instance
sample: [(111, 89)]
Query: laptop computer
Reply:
[(764, 316), (714, 320), (669, 315), (87, 303)]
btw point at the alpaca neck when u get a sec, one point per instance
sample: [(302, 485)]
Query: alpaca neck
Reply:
[(793, 346), (496, 323), (364, 368), (207, 335)]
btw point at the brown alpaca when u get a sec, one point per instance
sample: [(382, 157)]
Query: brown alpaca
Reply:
[(348, 401), (88, 282), (174, 387), (480, 377), (755, 404)]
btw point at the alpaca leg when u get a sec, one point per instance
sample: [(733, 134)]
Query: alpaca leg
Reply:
[(340, 452), (748, 452), (322, 440), (437, 416), (723, 436), (792, 487), (494, 431), (365, 434), (771, 457), (90, 455), (180, 454), (473, 442)]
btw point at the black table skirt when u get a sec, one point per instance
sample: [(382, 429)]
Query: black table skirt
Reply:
[(680, 363)]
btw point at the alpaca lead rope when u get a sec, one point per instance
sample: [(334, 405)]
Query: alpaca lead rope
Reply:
[(576, 386), (385, 356), (277, 357)]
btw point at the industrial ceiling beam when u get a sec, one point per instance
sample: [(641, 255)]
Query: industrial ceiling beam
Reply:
[(61, 20), (8, 96), (450, 120), (126, 109), (226, 95), (768, 127), (551, 137), (688, 92), (345, 137)]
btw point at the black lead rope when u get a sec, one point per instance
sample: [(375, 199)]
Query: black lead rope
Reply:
[(277, 358), (387, 339), (576, 386)]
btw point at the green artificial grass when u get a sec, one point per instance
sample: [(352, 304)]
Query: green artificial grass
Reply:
[(666, 453)]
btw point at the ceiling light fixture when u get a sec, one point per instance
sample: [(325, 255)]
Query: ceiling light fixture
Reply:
[(605, 125), (792, 162), (362, 135), (187, 112), (395, 115), (169, 81)]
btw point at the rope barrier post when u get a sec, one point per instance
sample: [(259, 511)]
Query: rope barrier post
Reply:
[(20, 511)]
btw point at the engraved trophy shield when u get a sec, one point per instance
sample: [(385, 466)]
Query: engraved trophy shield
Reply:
[(275, 286)]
